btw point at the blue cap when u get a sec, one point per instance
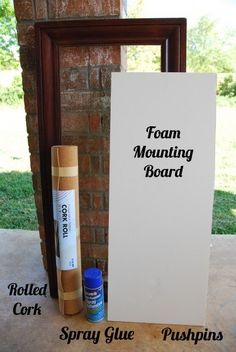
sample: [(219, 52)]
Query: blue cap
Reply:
[(92, 278)]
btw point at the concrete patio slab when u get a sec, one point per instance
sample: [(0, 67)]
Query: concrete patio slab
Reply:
[(21, 263)]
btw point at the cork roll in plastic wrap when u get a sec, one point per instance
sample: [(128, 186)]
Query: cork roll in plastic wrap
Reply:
[(65, 190)]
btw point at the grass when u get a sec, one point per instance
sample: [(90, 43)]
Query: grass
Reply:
[(224, 211), (17, 207)]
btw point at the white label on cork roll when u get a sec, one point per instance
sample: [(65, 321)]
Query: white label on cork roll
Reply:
[(65, 229)]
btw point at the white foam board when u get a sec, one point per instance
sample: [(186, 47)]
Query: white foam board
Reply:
[(160, 227)]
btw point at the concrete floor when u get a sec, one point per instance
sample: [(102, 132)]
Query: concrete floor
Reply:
[(21, 263)]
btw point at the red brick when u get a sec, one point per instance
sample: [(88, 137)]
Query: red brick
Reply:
[(106, 235), (30, 103), (104, 55), (74, 78), (42, 232), (76, 124), (94, 78), (94, 250), (100, 101), (106, 123), (32, 123), (87, 144), (86, 234), (95, 126), (94, 183), (88, 263), (74, 56), (99, 235), (75, 121), (101, 8), (38, 200), (92, 8), (68, 8), (85, 100), (84, 165), (102, 265), (33, 142), (40, 216), (94, 218), (76, 100), (106, 163), (111, 7), (23, 9), (28, 58), (85, 8), (106, 200), (106, 75), (84, 200), (95, 164), (97, 200), (29, 81), (36, 179), (26, 35), (35, 162), (41, 9)]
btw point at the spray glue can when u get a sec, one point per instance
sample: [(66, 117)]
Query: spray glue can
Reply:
[(94, 296)]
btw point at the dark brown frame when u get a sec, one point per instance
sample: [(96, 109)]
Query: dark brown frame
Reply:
[(170, 34)]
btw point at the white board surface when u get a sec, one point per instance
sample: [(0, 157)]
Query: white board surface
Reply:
[(160, 227)]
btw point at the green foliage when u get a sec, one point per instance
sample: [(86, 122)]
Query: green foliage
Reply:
[(17, 207), (8, 39), (7, 60), (227, 87), (143, 58), (13, 94), (207, 50)]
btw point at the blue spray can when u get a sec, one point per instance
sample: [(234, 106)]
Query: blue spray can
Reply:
[(94, 296)]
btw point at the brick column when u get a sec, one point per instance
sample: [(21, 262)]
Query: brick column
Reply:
[(85, 103)]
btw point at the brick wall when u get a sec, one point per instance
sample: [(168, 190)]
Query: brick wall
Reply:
[(85, 104)]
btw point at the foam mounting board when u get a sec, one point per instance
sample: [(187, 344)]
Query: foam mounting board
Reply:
[(160, 226)]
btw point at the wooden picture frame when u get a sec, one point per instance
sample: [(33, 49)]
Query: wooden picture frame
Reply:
[(170, 34)]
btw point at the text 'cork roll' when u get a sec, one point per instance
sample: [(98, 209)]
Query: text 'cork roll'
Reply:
[(65, 193)]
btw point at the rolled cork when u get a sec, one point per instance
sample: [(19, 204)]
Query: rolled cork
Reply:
[(65, 189)]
